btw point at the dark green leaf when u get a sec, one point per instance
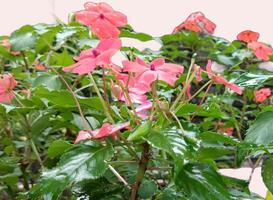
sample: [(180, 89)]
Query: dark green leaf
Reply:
[(80, 163), (57, 148), (201, 182), (267, 174)]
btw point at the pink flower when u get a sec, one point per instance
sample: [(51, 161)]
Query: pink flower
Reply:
[(248, 36), (262, 51), (7, 84), (142, 110), (91, 58), (156, 70), (221, 80), (196, 22), (105, 131), (198, 73), (136, 89), (103, 20), (262, 94)]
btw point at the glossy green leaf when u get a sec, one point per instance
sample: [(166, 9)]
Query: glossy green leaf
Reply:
[(267, 174), (57, 148), (140, 131), (80, 163), (201, 182), (51, 82), (261, 131), (250, 80)]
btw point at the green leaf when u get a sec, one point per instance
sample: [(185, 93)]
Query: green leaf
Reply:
[(57, 148), (147, 189), (23, 38), (261, 132), (140, 131), (83, 162), (51, 82), (61, 59), (267, 174), (130, 33), (250, 80), (201, 182)]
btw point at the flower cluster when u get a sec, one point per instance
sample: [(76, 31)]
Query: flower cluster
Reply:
[(262, 94), (7, 84), (261, 50)]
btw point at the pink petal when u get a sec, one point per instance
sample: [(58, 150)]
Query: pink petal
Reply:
[(6, 97), (171, 68), (198, 73), (141, 62), (111, 43), (118, 19), (148, 77), (158, 62), (83, 135), (208, 67), (130, 66), (168, 78), (86, 17), (104, 29), (84, 66), (117, 127), (98, 7), (105, 57), (235, 88)]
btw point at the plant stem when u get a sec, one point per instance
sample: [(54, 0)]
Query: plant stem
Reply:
[(120, 178), (188, 80), (84, 121), (107, 112), (142, 167)]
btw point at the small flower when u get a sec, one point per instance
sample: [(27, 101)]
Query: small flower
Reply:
[(105, 131), (156, 70), (262, 51), (91, 58), (7, 84), (196, 22), (136, 89), (38, 66), (142, 110), (262, 94), (6, 43), (103, 20), (198, 72), (221, 80), (248, 36)]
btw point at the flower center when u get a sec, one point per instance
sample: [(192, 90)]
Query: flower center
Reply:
[(152, 67), (95, 53), (101, 16)]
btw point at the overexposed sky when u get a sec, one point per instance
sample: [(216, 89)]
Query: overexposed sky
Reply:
[(156, 17)]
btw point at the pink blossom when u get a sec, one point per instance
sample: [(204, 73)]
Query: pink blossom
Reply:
[(248, 36), (262, 94), (136, 89), (221, 80), (156, 70), (262, 51), (198, 72), (142, 110), (7, 84), (103, 20), (91, 58), (105, 131), (196, 22)]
